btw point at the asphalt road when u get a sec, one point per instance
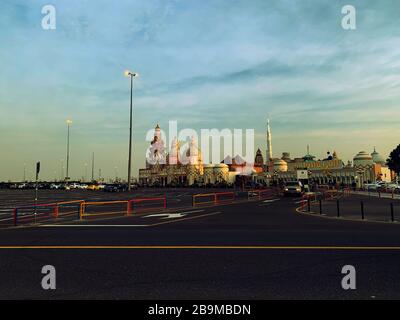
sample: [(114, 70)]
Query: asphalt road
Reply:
[(254, 250)]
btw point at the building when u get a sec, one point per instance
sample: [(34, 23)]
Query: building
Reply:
[(184, 166), (365, 168)]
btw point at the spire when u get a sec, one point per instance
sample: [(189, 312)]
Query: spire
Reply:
[(269, 143)]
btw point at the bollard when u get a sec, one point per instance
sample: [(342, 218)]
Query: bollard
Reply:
[(308, 204), (55, 214), (392, 211), (129, 208), (320, 206), (15, 214), (362, 210), (337, 208)]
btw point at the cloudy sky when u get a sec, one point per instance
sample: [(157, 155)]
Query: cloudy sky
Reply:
[(207, 64)]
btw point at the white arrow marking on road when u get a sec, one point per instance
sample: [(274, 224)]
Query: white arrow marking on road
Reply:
[(166, 215), (270, 200)]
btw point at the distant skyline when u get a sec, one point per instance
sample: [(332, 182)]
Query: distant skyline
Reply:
[(207, 64)]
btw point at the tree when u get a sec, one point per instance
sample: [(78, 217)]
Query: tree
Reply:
[(394, 160)]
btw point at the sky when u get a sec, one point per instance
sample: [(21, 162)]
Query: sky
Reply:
[(206, 64)]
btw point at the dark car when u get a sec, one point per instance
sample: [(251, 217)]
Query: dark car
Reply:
[(111, 188)]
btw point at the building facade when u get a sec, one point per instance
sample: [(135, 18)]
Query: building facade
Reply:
[(184, 166)]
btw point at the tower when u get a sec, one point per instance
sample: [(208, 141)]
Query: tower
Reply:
[(269, 144)]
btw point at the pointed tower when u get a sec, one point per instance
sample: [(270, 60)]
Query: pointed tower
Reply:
[(269, 144)]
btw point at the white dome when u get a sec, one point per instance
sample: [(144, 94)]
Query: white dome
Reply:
[(362, 155), (363, 158), (377, 158), (280, 165)]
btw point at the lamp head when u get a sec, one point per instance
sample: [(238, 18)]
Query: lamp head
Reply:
[(128, 73)]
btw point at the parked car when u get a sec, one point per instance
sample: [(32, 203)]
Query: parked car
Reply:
[(393, 186), (372, 186), (111, 188), (74, 185), (93, 187)]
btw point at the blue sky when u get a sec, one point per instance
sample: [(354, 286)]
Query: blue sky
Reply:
[(206, 64)]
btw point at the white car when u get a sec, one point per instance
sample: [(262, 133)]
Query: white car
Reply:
[(74, 185), (393, 186), (371, 186), (55, 186), (83, 186), (101, 186)]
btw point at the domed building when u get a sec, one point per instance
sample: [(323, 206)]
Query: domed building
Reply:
[(186, 167), (377, 158), (363, 158), (176, 167), (280, 165)]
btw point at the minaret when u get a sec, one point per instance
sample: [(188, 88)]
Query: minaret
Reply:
[(269, 144)]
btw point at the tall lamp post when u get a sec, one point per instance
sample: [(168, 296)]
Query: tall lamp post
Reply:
[(131, 75), (69, 122)]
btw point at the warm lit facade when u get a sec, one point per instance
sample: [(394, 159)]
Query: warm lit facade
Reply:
[(185, 167)]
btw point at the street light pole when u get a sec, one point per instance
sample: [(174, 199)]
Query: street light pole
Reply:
[(69, 122), (131, 75)]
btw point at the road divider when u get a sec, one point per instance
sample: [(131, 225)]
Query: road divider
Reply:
[(44, 212)]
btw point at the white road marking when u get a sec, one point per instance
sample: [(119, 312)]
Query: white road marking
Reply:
[(166, 215), (93, 225), (271, 200)]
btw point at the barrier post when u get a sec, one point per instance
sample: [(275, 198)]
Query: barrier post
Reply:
[(215, 199), (392, 211), (165, 202), (56, 211), (303, 202), (81, 209), (308, 204), (338, 208), (362, 210), (129, 208), (320, 206), (15, 213), (193, 203)]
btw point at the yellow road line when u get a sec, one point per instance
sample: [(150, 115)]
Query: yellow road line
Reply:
[(202, 247)]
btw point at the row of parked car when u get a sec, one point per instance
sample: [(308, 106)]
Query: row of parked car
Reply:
[(382, 186), (113, 187)]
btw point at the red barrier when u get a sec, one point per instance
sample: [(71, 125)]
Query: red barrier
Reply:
[(222, 197), (144, 202)]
